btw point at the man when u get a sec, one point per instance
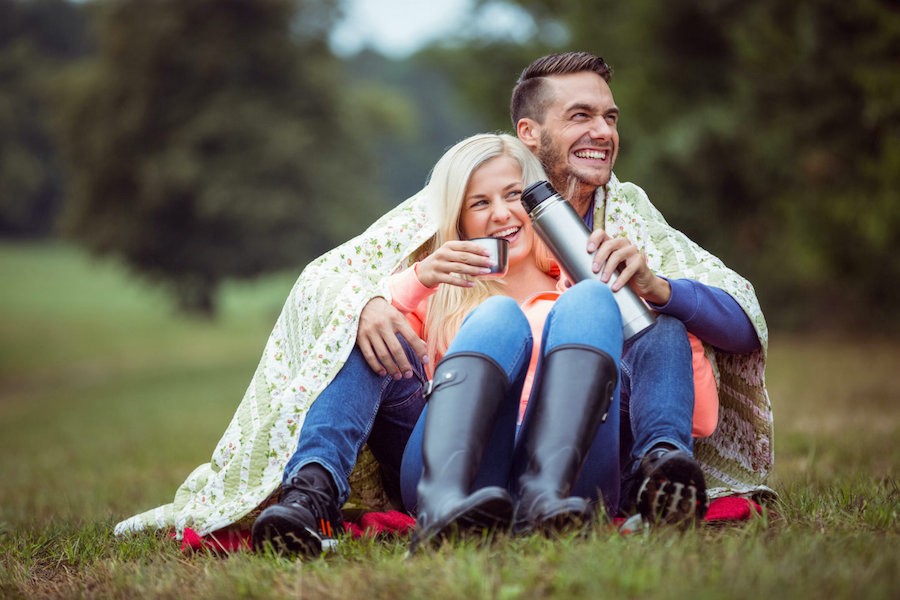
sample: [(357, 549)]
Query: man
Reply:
[(564, 111)]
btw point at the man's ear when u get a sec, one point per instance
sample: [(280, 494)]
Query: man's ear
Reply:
[(529, 131)]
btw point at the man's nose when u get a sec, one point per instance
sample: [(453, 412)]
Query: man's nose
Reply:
[(600, 129)]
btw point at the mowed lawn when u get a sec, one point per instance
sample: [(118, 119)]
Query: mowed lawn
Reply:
[(108, 400)]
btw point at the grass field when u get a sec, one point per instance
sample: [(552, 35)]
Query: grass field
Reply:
[(108, 400)]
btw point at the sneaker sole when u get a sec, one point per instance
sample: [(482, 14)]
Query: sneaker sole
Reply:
[(674, 493)]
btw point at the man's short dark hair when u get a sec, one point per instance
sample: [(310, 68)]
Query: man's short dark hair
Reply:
[(530, 97)]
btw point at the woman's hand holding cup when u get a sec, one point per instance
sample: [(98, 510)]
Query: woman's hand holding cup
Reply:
[(455, 258)]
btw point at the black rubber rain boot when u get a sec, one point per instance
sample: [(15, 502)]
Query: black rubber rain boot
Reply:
[(576, 389), (463, 405)]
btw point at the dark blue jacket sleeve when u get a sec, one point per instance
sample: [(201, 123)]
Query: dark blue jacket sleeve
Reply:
[(712, 315)]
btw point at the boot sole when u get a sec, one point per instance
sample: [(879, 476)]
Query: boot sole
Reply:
[(569, 514), (490, 514), (674, 492)]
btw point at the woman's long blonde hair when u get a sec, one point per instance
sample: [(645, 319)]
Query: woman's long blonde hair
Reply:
[(445, 194)]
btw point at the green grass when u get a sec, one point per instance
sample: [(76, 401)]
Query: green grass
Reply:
[(108, 400)]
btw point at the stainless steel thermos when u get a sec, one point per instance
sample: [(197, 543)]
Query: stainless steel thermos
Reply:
[(566, 234)]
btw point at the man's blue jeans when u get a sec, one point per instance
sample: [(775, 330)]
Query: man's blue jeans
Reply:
[(359, 406), (657, 380)]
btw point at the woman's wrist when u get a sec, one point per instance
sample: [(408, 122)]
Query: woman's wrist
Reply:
[(417, 268)]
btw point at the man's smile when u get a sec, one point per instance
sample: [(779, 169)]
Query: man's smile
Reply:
[(592, 154)]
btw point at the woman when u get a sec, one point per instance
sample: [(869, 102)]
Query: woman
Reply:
[(465, 454)]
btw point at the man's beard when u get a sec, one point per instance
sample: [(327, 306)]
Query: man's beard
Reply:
[(554, 160)]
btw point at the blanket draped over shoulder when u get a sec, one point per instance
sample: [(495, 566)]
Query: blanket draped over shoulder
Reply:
[(316, 331)]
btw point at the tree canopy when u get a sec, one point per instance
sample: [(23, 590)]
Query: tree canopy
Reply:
[(207, 139), (35, 39)]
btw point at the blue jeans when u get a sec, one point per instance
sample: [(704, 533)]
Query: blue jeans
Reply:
[(585, 314), (359, 406), (657, 383)]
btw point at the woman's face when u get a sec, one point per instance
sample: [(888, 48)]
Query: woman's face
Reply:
[(491, 207)]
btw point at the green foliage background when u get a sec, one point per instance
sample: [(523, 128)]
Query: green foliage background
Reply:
[(768, 131), (211, 140)]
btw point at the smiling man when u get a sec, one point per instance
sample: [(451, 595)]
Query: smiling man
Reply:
[(563, 109)]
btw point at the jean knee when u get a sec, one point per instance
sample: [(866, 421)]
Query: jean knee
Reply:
[(671, 332), (501, 318), (498, 328), (586, 313), (590, 292), (589, 295)]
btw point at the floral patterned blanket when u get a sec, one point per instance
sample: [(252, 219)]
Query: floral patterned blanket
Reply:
[(316, 331)]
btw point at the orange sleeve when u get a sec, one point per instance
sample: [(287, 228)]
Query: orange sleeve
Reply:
[(407, 292), (706, 396)]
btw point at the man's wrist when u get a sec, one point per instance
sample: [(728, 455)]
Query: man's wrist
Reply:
[(660, 293)]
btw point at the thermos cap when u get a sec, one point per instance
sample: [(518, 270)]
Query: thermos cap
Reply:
[(536, 193)]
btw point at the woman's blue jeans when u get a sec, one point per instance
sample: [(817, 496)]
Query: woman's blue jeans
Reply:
[(584, 314)]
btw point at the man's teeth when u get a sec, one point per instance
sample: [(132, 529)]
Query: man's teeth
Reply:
[(506, 232), (598, 154)]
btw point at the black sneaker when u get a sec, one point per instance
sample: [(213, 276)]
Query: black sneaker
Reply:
[(307, 518), (668, 487)]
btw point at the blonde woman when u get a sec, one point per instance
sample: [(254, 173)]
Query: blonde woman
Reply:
[(511, 347)]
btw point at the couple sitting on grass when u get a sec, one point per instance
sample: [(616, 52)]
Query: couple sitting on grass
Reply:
[(540, 415)]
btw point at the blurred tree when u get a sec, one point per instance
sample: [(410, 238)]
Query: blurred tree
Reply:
[(36, 38), (767, 131), (209, 139), (415, 116), (819, 92)]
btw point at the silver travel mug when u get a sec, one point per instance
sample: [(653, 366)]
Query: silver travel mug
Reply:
[(566, 234), (498, 249)]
